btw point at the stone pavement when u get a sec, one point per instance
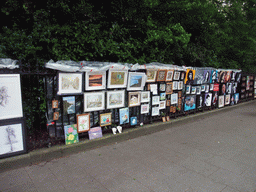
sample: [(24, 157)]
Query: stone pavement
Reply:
[(214, 152)]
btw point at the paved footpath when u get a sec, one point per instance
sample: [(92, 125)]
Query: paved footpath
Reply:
[(216, 152)]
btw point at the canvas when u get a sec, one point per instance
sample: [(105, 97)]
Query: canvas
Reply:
[(213, 78), (155, 100), (236, 98), (95, 80), (94, 101), (207, 74), (94, 133), (115, 99), (174, 98), (105, 119), (155, 111), (71, 134), (198, 90), (117, 79), (162, 104), (208, 99), (169, 89), (133, 121), (215, 98), (134, 99), (199, 76), (199, 101), (227, 99), (189, 78), (188, 87), (124, 115), (151, 75), (69, 105), (162, 87), (83, 122), (69, 83), (193, 90), (176, 75), (221, 101), (190, 102), (162, 96), (136, 81)]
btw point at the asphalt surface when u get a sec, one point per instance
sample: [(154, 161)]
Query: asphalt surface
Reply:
[(210, 151)]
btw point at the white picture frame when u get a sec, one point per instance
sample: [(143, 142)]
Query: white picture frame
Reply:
[(176, 75), (188, 89), (175, 85), (180, 85), (221, 101), (151, 75), (94, 101), (144, 108), (11, 97), (136, 81), (134, 99), (115, 99), (69, 83), (155, 111), (155, 100), (162, 104), (169, 75), (193, 89), (117, 79), (145, 96), (174, 98), (95, 80)]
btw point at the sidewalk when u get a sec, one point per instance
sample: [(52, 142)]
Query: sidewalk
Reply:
[(210, 151)]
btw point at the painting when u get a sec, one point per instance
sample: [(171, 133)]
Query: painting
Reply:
[(236, 98), (199, 76), (228, 88), (227, 99), (69, 105), (94, 133), (162, 104), (83, 123), (136, 81), (169, 75), (211, 87), (203, 88), (168, 89), (161, 75), (56, 116), (198, 90), (155, 111), (124, 115), (115, 99), (190, 75), (208, 99), (180, 85), (162, 87), (151, 75), (95, 80), (162, 96), (12, 138), (247, 83), (188, 87), (69, 83), (55, 104), (199, 101), (174, 98), (238, 77), (144, 108), (221, 101), (216, 87), (94, 101), (155, 100), (190, 102), (213, 78), (10, 96), (117, 79), (71, 134), (207, 88), (168, 103), (207, 74), (105, 119), (232, 100), (153, 88), (193, 90), (182, 75), (134, 99), (133, 121), (145, 96), (215, 98), (175, 85), (233, 76), (176, 75)]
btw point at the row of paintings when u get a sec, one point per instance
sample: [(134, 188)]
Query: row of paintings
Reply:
[(71, 83), (164, 75)]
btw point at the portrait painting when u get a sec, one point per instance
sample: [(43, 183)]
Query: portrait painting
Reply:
[(199, 101), (117, 79), (215, 98), (189, 78), (207, 74), (190, 102), (213, 77), (208, 99), (199, 76)]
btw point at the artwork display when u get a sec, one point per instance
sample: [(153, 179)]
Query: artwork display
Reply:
[(169, 75), (208, 99), (83, 123), (94, 133), (95, 80), (133, 121), (115, 99), (71, 134), (168, 103), (198, 90), (136, 81), (199, 101), (190, 102), (134, 99), (213, 78), (10, 96), (162, 104), (145, 96), (236, 98), (180, 85), (203, 88), (182, 75), (94, 101), (216, 87), (228, 88), (153, 88), (176, 75), (175, 85), (144, 108), (188, 87), (151, 75), (155, 111), (55, 104), (227, 99), (169, 89), (12, 138), (174, 98), (193, 90), (124, 115), (215, 98), (56, 116), (162, 87), (207, 88), (69, 83), (211, 87), (105, 119), (190, 75), (155, 100), (161, 75), (162, 96), (69, 105), (221, 101), (207, 74), (117, 79)]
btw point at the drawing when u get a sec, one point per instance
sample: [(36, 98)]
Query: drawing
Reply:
[(4, 97)]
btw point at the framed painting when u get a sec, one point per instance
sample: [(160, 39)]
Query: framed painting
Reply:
[(207, 75), (211, 87), (55, 104), (175, 85), (174, 98), (155, 100), (213, 78), (208, 99), (95, 80), (193, 90), (221, 101), (162, 87), (214, 98), (190, 102), (124, 115), (12, 138), (133, 121), (136, 81), (176, 75), (207, 88), (155, 111), (117, 79), (229, 88), (227, 99), (134, 99), (168, 103), (105, 119), (198, 90), (94, 133), (153, 88), (144, 108), (180, 85), (203, 88), (151, 75), (190, 75), (94, 101), (115, 99), (236, 98), (69, 106), (168, 89), (169, 75), (145, 96), (83, 123), (162, 104), (71, 134), (188, 88), (162, 96), (69, 83), (199, 101), (56, 116), (161, 75), (10, 96), (238, 77), (182, 75)]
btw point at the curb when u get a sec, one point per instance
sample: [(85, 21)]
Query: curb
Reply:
[(59, 151)]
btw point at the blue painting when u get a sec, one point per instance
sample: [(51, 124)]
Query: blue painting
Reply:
[(236, 98), (95, 133), (190, 103), (207, 75), (136, 81), (133, 120), (124, 115), (162, 96), (213, 77)]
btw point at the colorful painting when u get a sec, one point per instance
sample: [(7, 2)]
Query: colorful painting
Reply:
[(144, 108), (117, 79), (247, 83), (169, 88), (83, 122), (215, 98), (94, 133), (136, 81), (190, 102), (115, 99), (188, 87), (69, 105), (190, 75), (134, 99), (193, 90), (70, 83), (105, 119), (95, 80), (55, 104), (151, 75), (162, 87), (162, 96), (213, 78), (161, 75), (71, 134), (56, 116), (227, 99), (169, 75), (133, 121), (94, 101), (236, 98), (124, 115)]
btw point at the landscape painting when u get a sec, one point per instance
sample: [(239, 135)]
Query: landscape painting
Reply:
[(95, 80), (70, 83), (117, 79), (115, 99), (69, 105), (94, 101), (136, 81)]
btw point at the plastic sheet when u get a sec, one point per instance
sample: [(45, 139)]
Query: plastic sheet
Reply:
[(8, 63)]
